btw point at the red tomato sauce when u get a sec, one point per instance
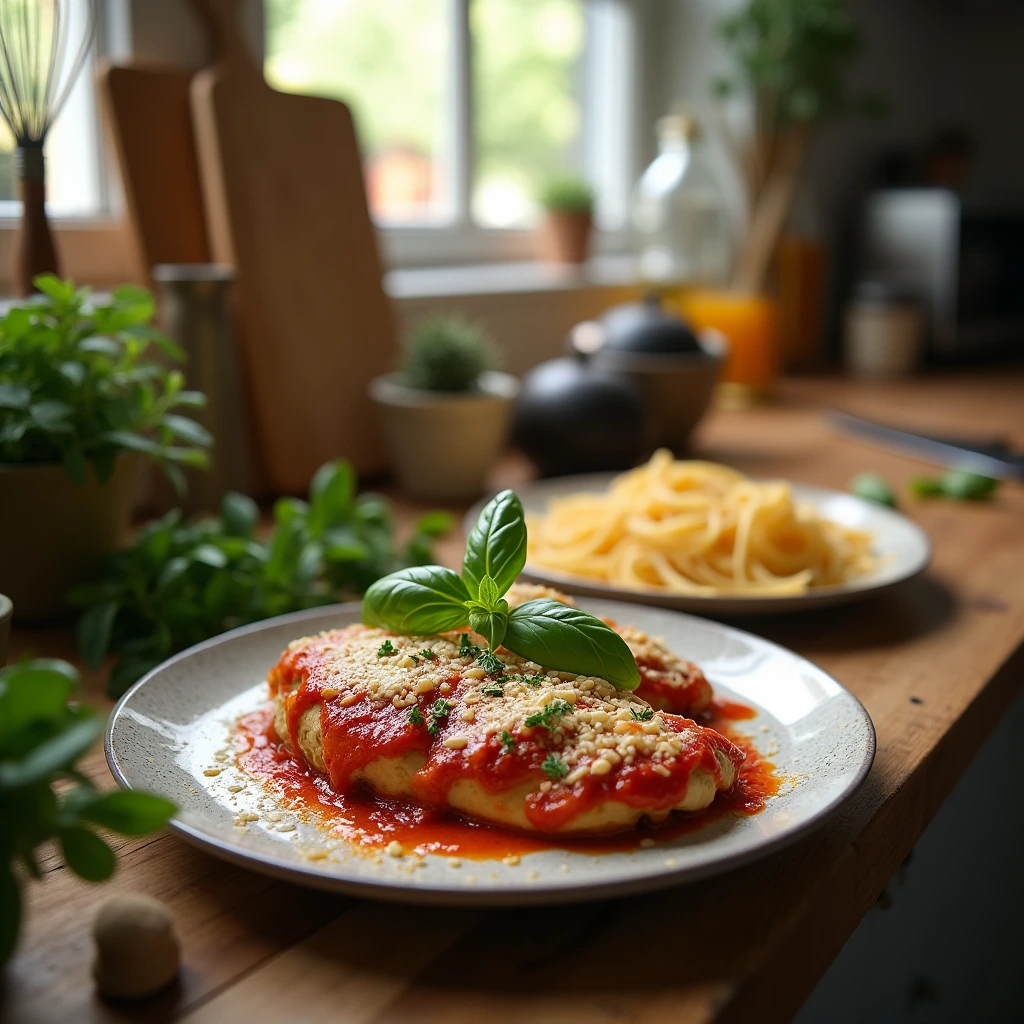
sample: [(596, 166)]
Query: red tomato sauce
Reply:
[(371, 821)]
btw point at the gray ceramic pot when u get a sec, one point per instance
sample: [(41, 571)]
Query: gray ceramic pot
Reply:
[(443, 443)]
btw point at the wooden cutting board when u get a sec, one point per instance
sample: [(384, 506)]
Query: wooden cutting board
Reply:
[(148, 112), (283, 185)]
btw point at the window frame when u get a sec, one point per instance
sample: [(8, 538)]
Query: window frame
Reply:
[(609, 143)]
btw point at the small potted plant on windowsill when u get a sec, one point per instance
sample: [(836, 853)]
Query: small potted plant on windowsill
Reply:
[(80, 403), (565, 236), (447, 411)]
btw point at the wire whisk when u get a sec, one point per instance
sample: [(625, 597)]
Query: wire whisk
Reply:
[(44, 45)]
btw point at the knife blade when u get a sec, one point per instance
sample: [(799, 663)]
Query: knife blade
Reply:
[(991, 457)]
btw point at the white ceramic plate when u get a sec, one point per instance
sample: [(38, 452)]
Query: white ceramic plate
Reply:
[(168, 730), (902, 547)]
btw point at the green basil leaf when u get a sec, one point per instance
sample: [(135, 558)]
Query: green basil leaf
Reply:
[(86, 854), (496, 546), (491, 625), (94, 630), (14, 396), (962, 485), (488, 595), (570, 640), (421, 599), (188, 430), (330, 494), (239, 513), (10, 912), (60, 752), (434, 524), (128, 813)]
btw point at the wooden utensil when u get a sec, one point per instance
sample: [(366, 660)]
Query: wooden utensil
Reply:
[(286, 205), (150, 118)]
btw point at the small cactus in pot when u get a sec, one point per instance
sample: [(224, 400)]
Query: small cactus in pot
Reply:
[(447, 410)]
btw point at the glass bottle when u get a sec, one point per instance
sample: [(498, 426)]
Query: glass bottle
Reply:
[(681, 225)]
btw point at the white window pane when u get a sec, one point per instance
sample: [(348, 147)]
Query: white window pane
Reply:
[(527, 103), (388, 59)]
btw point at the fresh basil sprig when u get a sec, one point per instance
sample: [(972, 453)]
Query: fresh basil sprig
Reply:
[(432, 599)]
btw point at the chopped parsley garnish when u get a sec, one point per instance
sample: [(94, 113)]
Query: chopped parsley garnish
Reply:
[(489, 663), (507, 741), (415, 717), (555, 709), (532, 680), (467, 649), (438, 710), (492, 689), (643, 715), (553, 768), (385, 649), (428, 654)]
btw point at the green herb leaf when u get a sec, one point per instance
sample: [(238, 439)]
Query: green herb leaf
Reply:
[(491, 625), (492, 689), (415, 716), (925, 487), (434, 524), (488, 595), (86, 854), (239, 514), (129, 812), (439, 710), (556, 709), (467, 649), (428, 654), (489, 662), (496, 546), (387, 648), (556, 636), (53, 755), (422, 599), (94, 630), (507, 741), (872, 487), (554, 768), (643, 715), (961, 485)]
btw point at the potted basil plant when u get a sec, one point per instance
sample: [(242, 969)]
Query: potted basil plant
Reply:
[(447, 411), (81, 400)]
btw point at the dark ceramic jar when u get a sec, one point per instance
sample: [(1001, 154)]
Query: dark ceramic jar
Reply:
[(573, 417)]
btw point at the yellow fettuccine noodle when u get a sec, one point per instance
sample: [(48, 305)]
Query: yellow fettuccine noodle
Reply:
[(697, 528)]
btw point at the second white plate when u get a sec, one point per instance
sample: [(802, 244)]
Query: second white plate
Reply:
[(902, 548)]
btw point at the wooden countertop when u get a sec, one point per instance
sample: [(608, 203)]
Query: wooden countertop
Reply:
[(935, 661)]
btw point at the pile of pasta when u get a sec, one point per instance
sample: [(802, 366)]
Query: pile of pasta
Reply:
[(697, 528)]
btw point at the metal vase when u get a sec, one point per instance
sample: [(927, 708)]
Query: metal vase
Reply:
[(195, 313)]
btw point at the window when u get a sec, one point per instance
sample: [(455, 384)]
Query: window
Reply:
[(465, 107), (75, 184)]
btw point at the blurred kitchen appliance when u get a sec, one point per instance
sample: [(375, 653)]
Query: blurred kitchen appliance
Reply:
[(965, 261)]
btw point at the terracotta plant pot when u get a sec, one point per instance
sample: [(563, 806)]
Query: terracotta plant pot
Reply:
[(54, 534), (565, 236), (443, 443)]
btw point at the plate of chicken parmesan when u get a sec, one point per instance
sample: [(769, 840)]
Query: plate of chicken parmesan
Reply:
[(446, 767)]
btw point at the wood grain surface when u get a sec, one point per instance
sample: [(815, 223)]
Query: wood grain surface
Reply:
[(935, 661), (286, 206)]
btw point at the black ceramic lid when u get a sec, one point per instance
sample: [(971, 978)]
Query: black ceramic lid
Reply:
[(646, 327)]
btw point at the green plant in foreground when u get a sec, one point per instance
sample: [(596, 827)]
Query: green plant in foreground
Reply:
[(567, 194), (433, 599), (43, 795), (78, 387), (180, 583), (447, 353)]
